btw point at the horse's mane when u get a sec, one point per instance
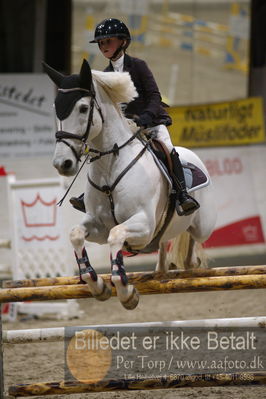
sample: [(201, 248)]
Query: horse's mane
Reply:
[(118, 85)]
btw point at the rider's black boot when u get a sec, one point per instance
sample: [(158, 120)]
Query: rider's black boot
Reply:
[(187, 203), (78, 203)]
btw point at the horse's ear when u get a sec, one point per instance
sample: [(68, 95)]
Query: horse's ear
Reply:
[(56, 76), (85, 75)]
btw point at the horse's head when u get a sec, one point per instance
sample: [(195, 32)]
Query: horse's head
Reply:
[(79, 118)]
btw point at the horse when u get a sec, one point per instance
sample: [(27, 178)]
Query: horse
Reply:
[(127, 194)]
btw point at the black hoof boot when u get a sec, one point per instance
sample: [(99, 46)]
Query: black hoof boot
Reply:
[(88, 267), (78, 203), (187, 203), (88, 275), (127, 293)]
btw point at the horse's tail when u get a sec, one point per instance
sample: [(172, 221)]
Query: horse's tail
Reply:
[(185, 253)]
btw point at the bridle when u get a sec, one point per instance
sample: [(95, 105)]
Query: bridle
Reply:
[(61, 135)]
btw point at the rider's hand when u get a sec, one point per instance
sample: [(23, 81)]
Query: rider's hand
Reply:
[(143, 120)]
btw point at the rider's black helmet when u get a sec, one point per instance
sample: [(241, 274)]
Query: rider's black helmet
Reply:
[(111, 27)]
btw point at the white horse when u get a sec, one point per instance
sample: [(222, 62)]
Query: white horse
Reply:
[(127, 195)]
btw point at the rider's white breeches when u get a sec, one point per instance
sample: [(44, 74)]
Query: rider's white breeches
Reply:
[(163, 135)]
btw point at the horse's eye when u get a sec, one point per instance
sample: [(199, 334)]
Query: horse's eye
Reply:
[(83, 109)]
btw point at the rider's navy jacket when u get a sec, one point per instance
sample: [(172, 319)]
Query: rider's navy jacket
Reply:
[(149, 100)]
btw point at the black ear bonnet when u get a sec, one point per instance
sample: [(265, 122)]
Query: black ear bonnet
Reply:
[(65, 101)]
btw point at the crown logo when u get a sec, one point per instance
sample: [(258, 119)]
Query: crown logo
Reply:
[(39, 213)]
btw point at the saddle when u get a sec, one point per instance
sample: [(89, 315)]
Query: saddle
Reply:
[(194, 176)]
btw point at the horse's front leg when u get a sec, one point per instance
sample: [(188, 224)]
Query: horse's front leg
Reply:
[(138, 233), (97, 285)]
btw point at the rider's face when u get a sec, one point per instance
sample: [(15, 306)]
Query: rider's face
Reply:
[(109, 45)]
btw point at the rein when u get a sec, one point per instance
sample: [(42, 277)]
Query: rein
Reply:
[(115, 150)]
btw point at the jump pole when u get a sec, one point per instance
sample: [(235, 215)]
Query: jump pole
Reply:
[(148, 287), (144, 276), (57, 334), (181, 381)]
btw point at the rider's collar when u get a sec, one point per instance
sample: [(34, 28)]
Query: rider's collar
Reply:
[(118, 64)]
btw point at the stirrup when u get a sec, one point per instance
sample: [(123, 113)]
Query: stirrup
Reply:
[(188, 206)]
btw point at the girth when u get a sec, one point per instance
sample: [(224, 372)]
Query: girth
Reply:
[(154, 244)]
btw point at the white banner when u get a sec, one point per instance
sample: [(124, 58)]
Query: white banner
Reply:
[(38, 230), (39, 220), (27, 124)]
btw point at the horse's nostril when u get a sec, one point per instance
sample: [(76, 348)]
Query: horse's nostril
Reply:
[(68, 164)]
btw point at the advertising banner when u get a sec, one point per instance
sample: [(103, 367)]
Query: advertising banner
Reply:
[(27, 124), (221, 124), (239, 219)]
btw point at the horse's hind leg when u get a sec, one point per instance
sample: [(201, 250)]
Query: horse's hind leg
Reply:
[(162, 265), (96, 284), (189, 261), (194, 257)]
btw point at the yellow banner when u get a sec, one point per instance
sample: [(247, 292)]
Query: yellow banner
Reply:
[(220, 124)]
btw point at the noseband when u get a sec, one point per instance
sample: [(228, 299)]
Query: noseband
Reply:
[(61, 135)]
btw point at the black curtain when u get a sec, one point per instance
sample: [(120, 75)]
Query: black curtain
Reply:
[(58, 35), (257, 72), (258, 34), (17, 35)]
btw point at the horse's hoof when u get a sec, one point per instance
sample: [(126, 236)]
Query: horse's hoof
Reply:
[(95, 286), (105, 294), (132, 302)]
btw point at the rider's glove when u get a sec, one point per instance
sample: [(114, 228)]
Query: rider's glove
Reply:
[(144, 120)]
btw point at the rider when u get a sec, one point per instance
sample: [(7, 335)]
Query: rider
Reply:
[(113, 38)]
